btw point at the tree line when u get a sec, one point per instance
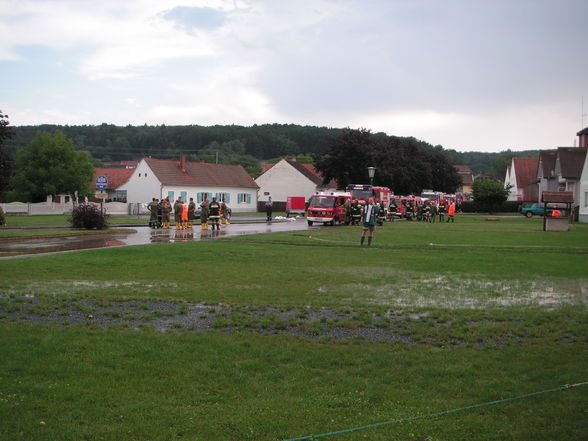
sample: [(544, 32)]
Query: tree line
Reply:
[(406, 165)]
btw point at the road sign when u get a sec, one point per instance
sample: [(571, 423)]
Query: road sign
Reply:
[(101, 182)]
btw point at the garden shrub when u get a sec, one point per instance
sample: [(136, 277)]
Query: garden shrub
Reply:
[(88, 216)]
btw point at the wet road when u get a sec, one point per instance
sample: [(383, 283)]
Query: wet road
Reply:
[(143, 236)]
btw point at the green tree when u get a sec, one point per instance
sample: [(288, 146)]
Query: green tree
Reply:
[(489, 195), (50, 165), (6, 160)]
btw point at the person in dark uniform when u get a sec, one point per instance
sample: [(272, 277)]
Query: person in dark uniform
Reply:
[(152, 207), (166, 209), (381, 214), (191, 212), (214, 214), (204, 212), (269, 205), (355, 213)]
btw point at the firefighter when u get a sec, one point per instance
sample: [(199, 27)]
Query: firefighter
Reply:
[(393, 211), (433, 212), (166, 209), (160, 214), (152, 207), (184, 216), (178, 213), (451, 212), (215, 214), (381, 214), (191, 212), (441, 211), (225, 213), (204, 211), (347, 206), (355, 213)]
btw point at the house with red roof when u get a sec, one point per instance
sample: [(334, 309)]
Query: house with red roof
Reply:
[(115, 177), (467, 179), (521, 176), (289, 177), (161, 178)]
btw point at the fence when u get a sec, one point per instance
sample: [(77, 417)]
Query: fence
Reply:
[(41, 208)]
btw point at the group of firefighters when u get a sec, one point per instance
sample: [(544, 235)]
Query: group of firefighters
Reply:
[(212, 212), (429, 211)]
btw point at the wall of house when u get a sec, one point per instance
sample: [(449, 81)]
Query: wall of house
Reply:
[(142, 186), (583, 193), (283, 180), (232, 200)]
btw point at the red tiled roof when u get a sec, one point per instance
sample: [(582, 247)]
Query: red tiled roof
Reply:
[(116, 176), (465, 173), (525, 170), (200, 173), (121, 164)]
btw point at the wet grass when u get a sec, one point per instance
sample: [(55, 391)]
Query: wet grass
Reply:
[(489, 310), (121, 384)]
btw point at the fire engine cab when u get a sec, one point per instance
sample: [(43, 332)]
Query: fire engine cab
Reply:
[(362, 193), (327, 208)]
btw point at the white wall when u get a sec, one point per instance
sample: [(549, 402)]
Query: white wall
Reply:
[(283, 180), (143, 188), (234, 205), (583, 193)]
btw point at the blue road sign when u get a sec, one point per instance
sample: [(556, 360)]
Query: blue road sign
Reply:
[(101, 183)]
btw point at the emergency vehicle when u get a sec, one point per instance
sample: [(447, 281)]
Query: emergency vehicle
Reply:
[(327, 208), (362, 193)]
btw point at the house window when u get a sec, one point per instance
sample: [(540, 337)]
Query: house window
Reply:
[(183, 196), (203, 195), (223, 197), (139, 174), (243, 198), (170, 195)]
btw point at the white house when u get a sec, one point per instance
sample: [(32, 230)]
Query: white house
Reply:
[(160, 178), (583, 192), (521, 176), (290, 178)]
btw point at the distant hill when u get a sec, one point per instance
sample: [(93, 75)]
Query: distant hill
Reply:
[(108, 142)]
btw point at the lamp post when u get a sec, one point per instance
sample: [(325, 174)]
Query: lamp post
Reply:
[(371, 173)]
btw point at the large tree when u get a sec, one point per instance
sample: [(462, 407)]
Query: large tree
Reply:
[(405, 165), (6, 160), (50, 165), (489, 195)]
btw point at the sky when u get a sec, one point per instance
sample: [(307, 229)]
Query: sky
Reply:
[(470, 75)]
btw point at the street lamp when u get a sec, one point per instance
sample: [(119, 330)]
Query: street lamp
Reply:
[(371, 173)]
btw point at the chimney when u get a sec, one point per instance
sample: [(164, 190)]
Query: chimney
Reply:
[(183, 163)]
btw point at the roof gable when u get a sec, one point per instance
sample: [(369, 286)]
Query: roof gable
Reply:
[(525, 170), (571, 162)]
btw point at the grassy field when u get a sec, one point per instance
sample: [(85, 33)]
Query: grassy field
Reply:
[(494, 310)]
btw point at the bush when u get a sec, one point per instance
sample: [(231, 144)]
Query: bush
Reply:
[(88, 216)]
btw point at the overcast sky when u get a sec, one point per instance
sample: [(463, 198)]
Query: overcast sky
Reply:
[(482, 75)]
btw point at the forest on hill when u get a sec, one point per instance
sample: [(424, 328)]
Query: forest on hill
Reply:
[(249, 146)]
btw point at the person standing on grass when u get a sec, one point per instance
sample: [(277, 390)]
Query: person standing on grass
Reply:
[(369, 216), (2, 217), (269, 205), (451, 212)]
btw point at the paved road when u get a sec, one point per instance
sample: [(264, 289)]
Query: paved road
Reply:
[(143, 236)]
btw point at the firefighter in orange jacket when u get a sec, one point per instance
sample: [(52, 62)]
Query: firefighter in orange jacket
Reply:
[(451, 212)]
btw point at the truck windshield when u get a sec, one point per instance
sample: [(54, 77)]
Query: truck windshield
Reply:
[(322, 201), (362, 194)]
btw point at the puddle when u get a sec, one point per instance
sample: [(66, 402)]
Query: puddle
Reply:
[(138, 236)]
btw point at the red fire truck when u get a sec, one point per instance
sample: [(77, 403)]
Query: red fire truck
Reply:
[(362, 193), (327, 208)]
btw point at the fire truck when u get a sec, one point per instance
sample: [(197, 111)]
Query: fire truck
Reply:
[(362, 193), (327, 208)]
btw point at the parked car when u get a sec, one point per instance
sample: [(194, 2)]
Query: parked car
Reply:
[(535, 208)]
